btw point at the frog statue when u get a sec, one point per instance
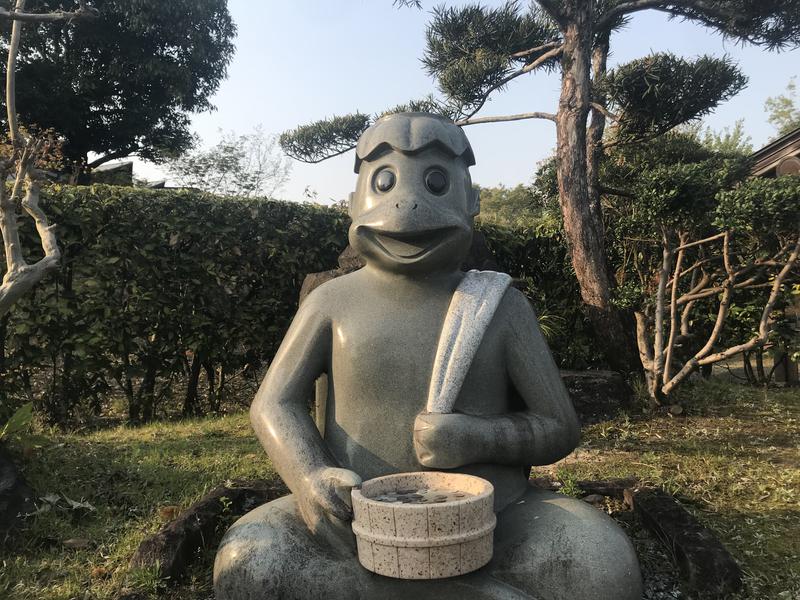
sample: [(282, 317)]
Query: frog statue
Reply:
[(406, 332)]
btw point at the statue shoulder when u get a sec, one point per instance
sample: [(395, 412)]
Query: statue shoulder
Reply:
[(328, 297), (515, 307)]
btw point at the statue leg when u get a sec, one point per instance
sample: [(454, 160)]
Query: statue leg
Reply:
[(558, 548), (269, 553)]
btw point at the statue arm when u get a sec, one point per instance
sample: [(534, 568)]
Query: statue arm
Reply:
[(280, 416), (547, 429), (544, 431)]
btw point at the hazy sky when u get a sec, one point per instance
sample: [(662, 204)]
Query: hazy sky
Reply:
[(301, 61)]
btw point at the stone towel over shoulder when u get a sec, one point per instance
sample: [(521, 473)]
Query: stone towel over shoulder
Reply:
[(471, 310)]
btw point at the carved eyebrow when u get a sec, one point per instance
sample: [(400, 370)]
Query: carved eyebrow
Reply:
[(384, 148)]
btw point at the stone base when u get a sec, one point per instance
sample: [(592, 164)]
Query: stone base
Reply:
[(547, 547)]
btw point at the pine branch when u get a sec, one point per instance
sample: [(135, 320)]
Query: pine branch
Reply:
[(550, 54), (553, 9), (314, 161), (670, 6)]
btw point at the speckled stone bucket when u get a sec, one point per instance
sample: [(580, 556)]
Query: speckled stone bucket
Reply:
[(424, 541)]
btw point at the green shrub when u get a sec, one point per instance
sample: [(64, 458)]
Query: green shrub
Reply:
[(542, 263), (157, 287), (152, 283)]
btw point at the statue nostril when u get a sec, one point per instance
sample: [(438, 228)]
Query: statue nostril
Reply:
[(397, 205), (414, 207)]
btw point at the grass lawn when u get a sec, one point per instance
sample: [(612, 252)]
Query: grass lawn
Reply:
[(733, 460)]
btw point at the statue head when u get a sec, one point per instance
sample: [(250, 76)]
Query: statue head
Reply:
[(414, 204)]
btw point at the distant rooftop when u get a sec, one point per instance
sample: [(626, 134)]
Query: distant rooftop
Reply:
[(779, 157)]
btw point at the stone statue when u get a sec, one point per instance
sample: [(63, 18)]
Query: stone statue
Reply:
[(428, 368)]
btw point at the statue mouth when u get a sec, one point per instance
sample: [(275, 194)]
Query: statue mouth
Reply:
[(409, 245)]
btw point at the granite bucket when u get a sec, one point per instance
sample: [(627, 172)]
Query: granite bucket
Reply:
[(425, 525)]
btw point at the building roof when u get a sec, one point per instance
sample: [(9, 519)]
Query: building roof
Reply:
[(783, 151)]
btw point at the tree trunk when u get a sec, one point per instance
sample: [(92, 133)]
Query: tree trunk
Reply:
[(762, 374), (211, 378), (597, 127), (69, 393), (147, 391), (126, 382), (583, 224), (134, 408), (191, 406), (79, 173), (3, 334), (220, 390), (216, 387), (748, 368)]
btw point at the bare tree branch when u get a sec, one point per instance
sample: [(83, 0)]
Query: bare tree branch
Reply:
[(763, 327), (123, 153), (20, 276), (84, 12), (9, 229), (30, 203), (703, 241), (694, 267), (704, 356), (11, 79), (461, 123), (542, 59), (529, 51), (724, 306), (643, 342), (658, 343), (754, 281), (504, 118), (685, 313), (605, 112), (604, 189), (673, 313)]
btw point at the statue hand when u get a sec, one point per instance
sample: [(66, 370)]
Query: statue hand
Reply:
[(446, 441), (328, 492)]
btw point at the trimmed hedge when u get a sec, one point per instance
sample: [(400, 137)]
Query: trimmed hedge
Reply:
[(543, 263), (154, 284), (157, 287)]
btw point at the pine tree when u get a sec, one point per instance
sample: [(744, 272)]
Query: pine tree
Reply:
[(474, 51)]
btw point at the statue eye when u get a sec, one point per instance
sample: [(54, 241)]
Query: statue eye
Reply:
[(436, 181), (384, 180)]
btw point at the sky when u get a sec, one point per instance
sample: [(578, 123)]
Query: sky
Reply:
[(297, 62)]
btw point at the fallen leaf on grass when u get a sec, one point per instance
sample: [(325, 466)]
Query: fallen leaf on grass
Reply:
[(167, 513), (99, 573)]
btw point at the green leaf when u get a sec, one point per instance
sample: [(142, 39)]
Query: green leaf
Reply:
[(19, 421)]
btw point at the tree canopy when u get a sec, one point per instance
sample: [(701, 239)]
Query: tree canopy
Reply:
[(474, 51), (125, 82), (247, 165), (698, 248), (784, 109)]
